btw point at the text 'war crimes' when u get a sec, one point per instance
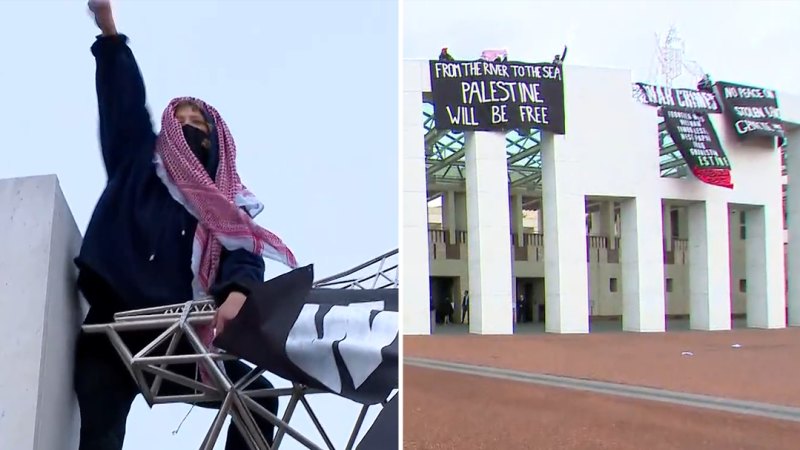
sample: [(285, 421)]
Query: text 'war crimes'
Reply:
[(684, 98)]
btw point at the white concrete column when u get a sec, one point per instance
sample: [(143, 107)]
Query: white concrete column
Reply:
[(764, 260), (38, 408), (709, 268), (513, 287), (449, 215), (793, 225), (607, 227), (516, 217), (461, 210), (540, 219), (666, 217), (414, 267), (683, 222), (642, 266), (488, 226), (565, 269)]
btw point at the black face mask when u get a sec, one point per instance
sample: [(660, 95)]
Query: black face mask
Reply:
[(195, 137)]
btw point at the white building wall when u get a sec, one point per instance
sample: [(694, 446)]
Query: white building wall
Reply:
[(413, 258), (620, 160), (38, 408), (790, 110)]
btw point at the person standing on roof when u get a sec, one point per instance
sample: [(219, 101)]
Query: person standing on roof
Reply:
[(173, 223)]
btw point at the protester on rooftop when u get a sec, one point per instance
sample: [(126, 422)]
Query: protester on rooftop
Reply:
[(174, 223)]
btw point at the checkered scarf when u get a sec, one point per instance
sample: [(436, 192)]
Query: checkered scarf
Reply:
[(216, 204)]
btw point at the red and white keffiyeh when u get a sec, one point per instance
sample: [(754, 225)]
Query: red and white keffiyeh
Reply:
[(215, 204)]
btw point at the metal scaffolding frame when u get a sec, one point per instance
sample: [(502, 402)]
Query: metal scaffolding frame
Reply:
[(378, 273), (238, 399)]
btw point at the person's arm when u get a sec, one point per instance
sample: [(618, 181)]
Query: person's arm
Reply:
[(238, 271), (125, 126)]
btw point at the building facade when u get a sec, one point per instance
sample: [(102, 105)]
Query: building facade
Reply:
[(602, 221)]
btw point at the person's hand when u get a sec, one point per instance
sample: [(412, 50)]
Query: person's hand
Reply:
[(228, 311), (103, 16)]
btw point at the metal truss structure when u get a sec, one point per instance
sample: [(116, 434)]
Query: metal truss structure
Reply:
[(377, 273), (150, 366)]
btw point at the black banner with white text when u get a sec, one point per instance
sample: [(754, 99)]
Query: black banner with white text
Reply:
[(684, 99), (497, 96), (698, 143), (750, 110)]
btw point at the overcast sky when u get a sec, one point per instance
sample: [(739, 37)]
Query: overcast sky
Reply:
[(315, 125), (751, 42)]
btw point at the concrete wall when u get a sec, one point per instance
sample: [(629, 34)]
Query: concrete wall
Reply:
[(39, 239), (413, 261)]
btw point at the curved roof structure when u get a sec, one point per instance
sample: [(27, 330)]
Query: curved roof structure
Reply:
[(444, 155)]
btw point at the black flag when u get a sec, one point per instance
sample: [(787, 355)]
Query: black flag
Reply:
[(751, 111), (382, 435), (694, 135), (339, 340)]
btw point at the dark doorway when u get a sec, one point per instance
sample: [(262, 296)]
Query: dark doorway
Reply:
[(442, 295), (532, 291)]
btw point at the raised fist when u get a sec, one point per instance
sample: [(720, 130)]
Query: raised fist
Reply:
[(103, 16)]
